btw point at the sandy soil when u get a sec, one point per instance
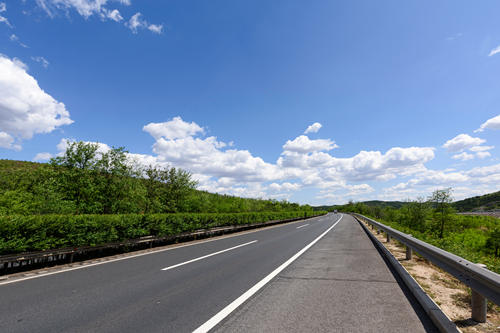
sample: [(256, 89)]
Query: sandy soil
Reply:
[(449, 293)]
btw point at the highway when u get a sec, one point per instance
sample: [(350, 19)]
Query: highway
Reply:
[(211, 284)]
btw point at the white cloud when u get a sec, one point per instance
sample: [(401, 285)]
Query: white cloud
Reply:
[(302, 144), (314, 128), (113, 15), (25, 109), (7, 141), (3, 19), (462, 142), (136, 22), (41, 60), (173, 129), (492, 123), (483, 154), (463, 156), (85, 8), (481, 148), (286, 186), (156, 28), (15, 39), (494, 51), (222, 169), (64, 143), (88, 8), (42, 157)]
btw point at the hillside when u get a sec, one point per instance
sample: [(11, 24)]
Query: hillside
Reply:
[(485, 202), (29, 188)]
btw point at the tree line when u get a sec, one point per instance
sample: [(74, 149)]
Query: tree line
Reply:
[(434, 219), (85, 180)]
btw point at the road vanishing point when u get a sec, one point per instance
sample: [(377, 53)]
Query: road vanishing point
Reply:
[(321, 274)]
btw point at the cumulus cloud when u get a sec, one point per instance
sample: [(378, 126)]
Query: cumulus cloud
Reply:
[(483, 154), (173, 129), (286, 186), (25, 109), (64, 143), (314, 128), (220, 168), (7, 141), (494, 51), (463, 156), (42, 157), (319, 167), (481, 148), (492, 123), (302, 144), (462, 142)]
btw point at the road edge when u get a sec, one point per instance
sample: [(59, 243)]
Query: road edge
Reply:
[(438, 317)]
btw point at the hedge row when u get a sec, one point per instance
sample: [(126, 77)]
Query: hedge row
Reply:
[(44, 232)]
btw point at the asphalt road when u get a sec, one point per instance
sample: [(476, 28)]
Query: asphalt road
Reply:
[(177, 290)]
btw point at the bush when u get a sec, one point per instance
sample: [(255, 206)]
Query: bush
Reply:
[(44, 232)]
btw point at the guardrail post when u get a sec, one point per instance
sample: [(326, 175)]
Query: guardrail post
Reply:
[(388, 238), (409, 252), (479, 304)]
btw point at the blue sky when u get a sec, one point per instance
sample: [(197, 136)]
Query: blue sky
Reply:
[(397, 99)]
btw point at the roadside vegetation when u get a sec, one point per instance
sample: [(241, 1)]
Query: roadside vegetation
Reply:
[(434, 220), (88, 197)]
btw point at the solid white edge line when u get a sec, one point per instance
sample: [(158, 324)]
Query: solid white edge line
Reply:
[(302, 226), (133, 256), (206, 256), (212, 322)]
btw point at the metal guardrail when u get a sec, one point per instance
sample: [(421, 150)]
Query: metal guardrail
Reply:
[(479, 279)]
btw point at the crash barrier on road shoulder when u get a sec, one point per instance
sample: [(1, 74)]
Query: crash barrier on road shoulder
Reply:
[(30, 260), (484, 284)]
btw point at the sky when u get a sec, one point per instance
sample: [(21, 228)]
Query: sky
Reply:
[(317, 102)]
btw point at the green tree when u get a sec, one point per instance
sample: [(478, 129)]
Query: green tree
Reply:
[(441, 203), (418, 211), (493, 241)]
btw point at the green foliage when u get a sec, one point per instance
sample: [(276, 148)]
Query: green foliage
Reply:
[(475, 238), (484, 202), (442, 210), (42, 232), (87, 181)]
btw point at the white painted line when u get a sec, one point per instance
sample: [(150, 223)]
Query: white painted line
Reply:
[(208, 255), (302, 226), (212, 322)]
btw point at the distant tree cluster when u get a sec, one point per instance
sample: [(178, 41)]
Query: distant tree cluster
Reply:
[(435, 218), (87, 181), (420, 214)]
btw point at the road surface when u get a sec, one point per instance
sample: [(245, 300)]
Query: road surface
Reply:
[(323, 270)]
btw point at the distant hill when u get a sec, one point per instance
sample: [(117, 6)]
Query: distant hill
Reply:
[(485, 202), (480, 203), (371, 203)]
